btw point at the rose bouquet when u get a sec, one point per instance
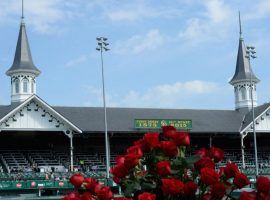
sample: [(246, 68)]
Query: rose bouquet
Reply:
[(156, 168), (157, 164)]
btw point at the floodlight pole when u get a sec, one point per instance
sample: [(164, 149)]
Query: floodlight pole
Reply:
[(102, 47), (251, 54)]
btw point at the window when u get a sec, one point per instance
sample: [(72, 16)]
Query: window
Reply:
[(25, 86), (17, 86), (249, 93), (32, 87), (236, 93), (243, 93)]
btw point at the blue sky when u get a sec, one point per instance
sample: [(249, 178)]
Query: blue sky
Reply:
[(166, 54)]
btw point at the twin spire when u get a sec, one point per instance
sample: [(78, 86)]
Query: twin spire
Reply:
[(243, 69), (23, 59)]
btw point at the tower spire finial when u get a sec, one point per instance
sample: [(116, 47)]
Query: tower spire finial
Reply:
[(22, 17), (240, 24)]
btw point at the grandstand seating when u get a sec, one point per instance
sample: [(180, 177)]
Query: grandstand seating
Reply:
[(16, 161), (43, 158), (21, 161)]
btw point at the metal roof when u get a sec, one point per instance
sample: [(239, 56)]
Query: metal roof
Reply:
[(4, 110), (91, 119), (243, 69), (23, 60), (257, 111)]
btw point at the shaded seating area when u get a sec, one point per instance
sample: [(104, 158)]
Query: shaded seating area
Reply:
[(43, 158), (14, 161)]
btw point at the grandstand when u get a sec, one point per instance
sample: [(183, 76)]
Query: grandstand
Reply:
[(41, 145)]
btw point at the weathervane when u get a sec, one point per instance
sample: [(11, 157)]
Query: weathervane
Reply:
[(240, 24), (22, 17)]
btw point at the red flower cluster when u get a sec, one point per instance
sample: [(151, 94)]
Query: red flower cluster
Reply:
[(262, 193), (218, 182), (155, 167), (90, 189), (172, 186)]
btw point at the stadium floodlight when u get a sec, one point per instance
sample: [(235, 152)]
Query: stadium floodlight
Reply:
[(101, 47), (250, 53)]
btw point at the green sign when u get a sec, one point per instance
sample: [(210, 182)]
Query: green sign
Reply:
[(158, 123)]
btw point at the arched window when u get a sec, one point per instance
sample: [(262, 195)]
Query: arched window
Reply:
[(250, 92), (236, 93), (243, 93), (17, 86), (32, 87), (25, 85)]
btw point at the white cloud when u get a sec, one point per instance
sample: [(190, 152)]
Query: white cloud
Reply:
[(44, 15), (216, 10), (168, 95), (140, 43), (139, 11), (162, 96), (260, 10), (211, 25), (75, 62)]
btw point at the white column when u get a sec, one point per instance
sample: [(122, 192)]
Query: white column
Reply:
[(210, 141), (71, 151), (243, 151)]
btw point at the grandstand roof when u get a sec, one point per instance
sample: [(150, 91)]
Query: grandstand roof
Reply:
[(4, 110), (257, 112), (90, 119)]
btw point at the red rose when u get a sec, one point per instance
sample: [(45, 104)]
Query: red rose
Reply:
[(190, 188), (119, 171), (86, 196), (171, 186), (76, 180), (209, 176), (263, 184), (120, 159), (104, 193), (164, 168), (136, 151), (169, 148), (142, 144), (72, 196), (122, 198), (168, 131), (90, 184), (218, 190), (231, 170), (181, 139), (263, 196), (204, 162), (131, 160), (116, 179), (203, 152), (247, 196), (240, 180), (147, 196), (216, 153), (207, 196), (151, 140)]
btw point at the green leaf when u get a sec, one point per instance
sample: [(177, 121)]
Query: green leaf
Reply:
[(192, 159), (131, 189), (148, 186), (179, 163)]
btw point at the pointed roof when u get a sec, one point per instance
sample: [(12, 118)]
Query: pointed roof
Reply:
[(243, 69), (23, 60)]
